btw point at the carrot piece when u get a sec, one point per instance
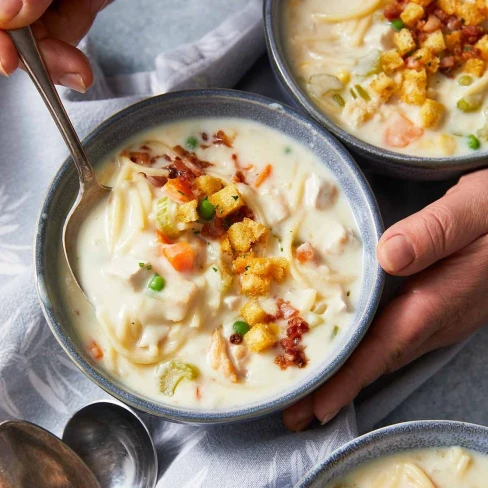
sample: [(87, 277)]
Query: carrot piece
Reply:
[(180, 255), (305, 252), (179, 190), (401, 132), (95, 350), (263, 176), (163, 238)]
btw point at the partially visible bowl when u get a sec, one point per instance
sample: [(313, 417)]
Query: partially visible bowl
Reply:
[(396, 438), (186, 105), (379, 159)]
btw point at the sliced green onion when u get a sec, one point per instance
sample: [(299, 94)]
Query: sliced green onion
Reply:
[(191, 143), (165, 216), (241, 327), (473, 142), (205, 209), (287, 150), (397, 24), (335, 331), (353, 93), (465, 80), (362, 93), (141, 265), (157, 283), (339, 100), (174, 373)]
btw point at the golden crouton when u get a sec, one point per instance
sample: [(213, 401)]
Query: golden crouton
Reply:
[(412, 14), (274, 267), (433, 65), (253, 313), (404, 41), (435, 42), (449, 6), (422, 3), (254, 285), (226, 201), (414, 87), (422, 55), (243, 234), (383, 86), (482, 45), (475, 67), (261, 337), (225, 245), (187, 212), (431, 113), (470, 13), (453, 40), (208, 185), (391, 61)]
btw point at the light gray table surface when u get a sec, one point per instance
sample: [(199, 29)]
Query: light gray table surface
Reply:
[(126, 42)]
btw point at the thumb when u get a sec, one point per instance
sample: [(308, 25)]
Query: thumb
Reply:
[(439, 230), (19, 13)]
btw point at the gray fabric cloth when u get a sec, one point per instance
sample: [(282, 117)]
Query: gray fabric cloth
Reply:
[(37, 380)]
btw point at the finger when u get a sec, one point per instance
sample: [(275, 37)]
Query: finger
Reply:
[(19, 13), (437, 231), (67, 65), (8, 55), (299, 416)]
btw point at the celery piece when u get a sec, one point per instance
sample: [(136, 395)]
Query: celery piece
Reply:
[(174, 373), (165, 216), (320, 85)]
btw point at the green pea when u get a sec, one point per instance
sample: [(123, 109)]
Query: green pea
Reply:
[(465, 80), (397, 24), (191, 143), (473, 142), (205, 209), (157, 283), (466, 106), (241, 327)]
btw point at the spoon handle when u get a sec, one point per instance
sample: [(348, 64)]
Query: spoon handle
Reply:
[(30, 56)]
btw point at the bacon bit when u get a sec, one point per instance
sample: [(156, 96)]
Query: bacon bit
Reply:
[(413, 63), (95, 350), (433, 23), (239, 177), (198, 393), (167, 157), (285, 309), (454, 23), (221, 138), (214, 229), (239, 216), (156, 181), (187, 168), (305, 253), (235, 339), (441, 15), (204, 136), (263, 176), (473, 53), (471, 34), (145, 148), (163, 238), (393, 11), (141, 158)]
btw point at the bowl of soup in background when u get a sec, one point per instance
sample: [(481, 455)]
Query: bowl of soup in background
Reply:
[(431, 453), (72, 319), (442, 152)]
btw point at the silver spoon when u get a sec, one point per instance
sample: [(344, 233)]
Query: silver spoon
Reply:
[(115, 444), (91, 192), (32, 457)]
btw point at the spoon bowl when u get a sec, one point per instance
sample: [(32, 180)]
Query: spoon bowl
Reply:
[(115, 444)]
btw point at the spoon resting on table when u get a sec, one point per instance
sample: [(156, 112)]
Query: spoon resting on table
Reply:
[(91, 191)]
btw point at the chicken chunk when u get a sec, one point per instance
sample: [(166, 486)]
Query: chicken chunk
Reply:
[(218, 356), (319, 193)]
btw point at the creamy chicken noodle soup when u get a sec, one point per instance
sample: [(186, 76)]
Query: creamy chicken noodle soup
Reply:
[(451, 467), (224, 267), (405, 75)]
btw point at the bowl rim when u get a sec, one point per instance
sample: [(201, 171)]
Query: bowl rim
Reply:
[(285, 75), (369, 439), (242, 412)]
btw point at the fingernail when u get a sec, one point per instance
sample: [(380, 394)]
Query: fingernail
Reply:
[(3, 71), (73, 81), (397, 252), (10, 10), (329, 417)]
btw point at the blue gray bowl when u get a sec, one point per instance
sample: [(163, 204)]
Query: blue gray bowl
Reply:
[(380, 160), (152, 112), (396, 438)]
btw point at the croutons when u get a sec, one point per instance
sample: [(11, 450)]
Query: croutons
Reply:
[(243, 234), (225, 245), (404, 41), (208, 185), (254, 285), (383, 86), (470, 13), (422, 55), (449, 6), (475, 67), (414, 87), (226, 201), (423, 3), (412, 14), (261, 337), (431, 113), (253, 313), (391, 61), (453, 40), (435, 42), (482, 45), (187, 212)]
